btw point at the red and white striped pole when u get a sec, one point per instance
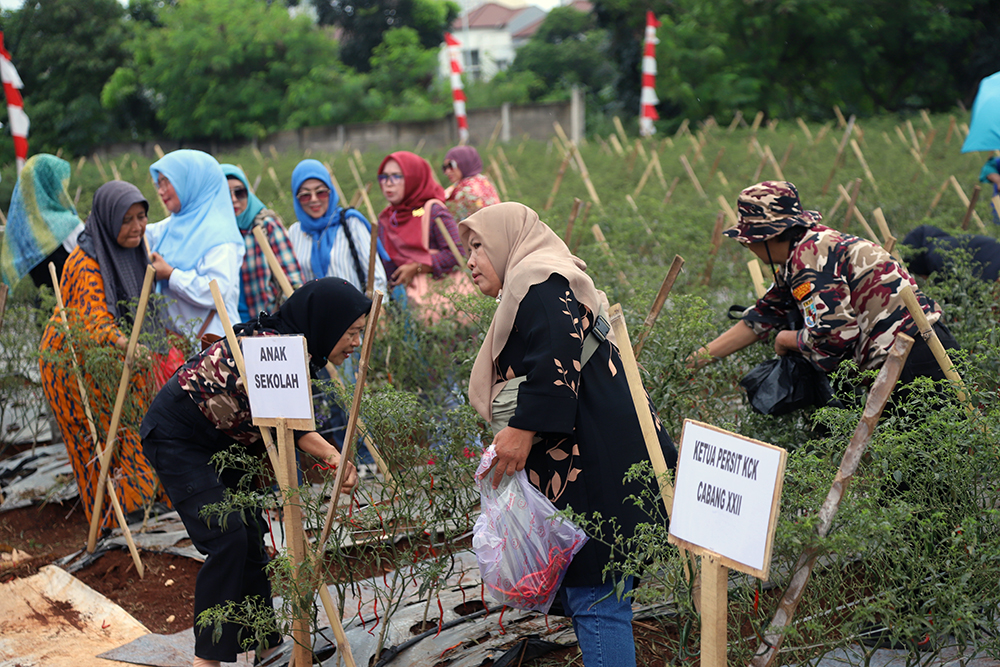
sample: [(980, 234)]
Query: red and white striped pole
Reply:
[(457, 92), (16, 117), (647, 98)]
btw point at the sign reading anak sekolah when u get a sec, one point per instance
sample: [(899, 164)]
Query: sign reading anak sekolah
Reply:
[(277, 378), (726, 497)]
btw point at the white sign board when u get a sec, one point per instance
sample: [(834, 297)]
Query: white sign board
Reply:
[(726, 496), (277, 377)]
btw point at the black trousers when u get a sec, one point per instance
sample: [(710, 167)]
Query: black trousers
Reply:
[(179, 441)]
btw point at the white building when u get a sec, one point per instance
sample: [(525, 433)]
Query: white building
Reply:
[(486, 35)]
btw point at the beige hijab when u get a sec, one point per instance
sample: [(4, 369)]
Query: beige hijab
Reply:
[(523, 252)]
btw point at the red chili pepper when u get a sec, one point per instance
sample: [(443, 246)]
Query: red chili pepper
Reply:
[(450, 648), (105, 625), (440, 616), (359, 613), (756, 600), (502, 610), (431, 489), (375, 610), (482, 598)]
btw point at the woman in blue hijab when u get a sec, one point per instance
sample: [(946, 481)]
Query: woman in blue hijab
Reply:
[(323, 251), (198, 243), (259, 289)]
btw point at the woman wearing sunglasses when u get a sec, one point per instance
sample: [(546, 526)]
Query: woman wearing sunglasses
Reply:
[(259, 290), (418, 250), (322, 249), (471, 190)]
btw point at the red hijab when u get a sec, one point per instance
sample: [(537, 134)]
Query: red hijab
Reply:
[(407, 242)]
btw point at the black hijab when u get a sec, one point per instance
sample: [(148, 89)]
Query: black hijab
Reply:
[(932, 246), (122, 269), (321, 310)]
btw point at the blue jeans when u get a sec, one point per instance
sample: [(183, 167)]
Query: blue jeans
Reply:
[(603, 629)]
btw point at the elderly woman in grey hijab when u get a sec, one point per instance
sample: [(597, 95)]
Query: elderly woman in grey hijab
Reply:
[(101, 281), (471, 190)]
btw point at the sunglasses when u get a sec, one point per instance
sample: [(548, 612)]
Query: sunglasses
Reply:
[(306, 197), (450, 164), (390, 178), (239, 193)]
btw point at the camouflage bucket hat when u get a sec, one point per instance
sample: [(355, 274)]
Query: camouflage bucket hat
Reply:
[(767, 209)]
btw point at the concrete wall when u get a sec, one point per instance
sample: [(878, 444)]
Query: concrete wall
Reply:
[(533, 120)]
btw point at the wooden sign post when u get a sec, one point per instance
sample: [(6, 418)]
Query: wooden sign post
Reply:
[(280, 393), (726, 499)]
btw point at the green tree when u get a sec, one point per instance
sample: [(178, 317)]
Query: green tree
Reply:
[(363, 23), (223, 68), (566, 50), (65, 50)]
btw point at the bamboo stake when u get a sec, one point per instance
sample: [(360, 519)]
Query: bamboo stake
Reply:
[(971, 208), (613, 140), (114, 170), (722, 179), (455, 252), (603, 243), (661, 298), (878, 397), (730, 213), (116, 505), (716, 242), (965, 200), (506, 163), (930, 337), (642, 151), (272, 261), (937, 197), (369, 209), (760, 168), (951, 130), (852, 203), (757, 277), (123, 386), (913, 134), (572, 218), (774, 163), (840, 153), (76, 199), (693, 177), (641, 401), (620, 130), (352, 421), (756, 122), (670, 191), (498, 176), (277, 183), (864, 164), (822, 132), (788, 154), (928, 143), (840, 116), (659, 170), (715, 163), (494, 135), (685, 124), (737, 119), (645, 176), (805, 129), (100, 167), (883, 227), (559, 176), (583, 167), (158, 151)]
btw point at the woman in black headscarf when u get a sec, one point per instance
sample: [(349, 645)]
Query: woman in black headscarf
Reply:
[(100, 284), (203, 410)]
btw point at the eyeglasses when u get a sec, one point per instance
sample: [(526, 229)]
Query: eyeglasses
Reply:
[(390, 178), (450, 164), (239, 193), (306, 197)]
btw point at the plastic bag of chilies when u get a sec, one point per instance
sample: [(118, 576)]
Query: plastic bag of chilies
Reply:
[(522, 549)]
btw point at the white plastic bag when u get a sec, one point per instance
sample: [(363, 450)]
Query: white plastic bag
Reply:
[(522, 549)]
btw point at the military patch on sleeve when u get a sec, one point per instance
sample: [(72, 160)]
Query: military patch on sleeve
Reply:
[(801, 291)]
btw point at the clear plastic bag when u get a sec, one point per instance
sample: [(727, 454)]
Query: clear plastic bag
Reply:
[(522, 549)]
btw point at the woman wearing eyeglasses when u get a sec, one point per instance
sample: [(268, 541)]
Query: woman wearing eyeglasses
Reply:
[(407, 226), (471, 190), (197, 244), (323, 251), (259, 290)]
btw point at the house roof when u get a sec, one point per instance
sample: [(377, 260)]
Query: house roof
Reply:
[(524, 32), (489, 15)]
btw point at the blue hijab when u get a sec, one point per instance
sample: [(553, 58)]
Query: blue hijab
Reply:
[(322, 230), (254, 205), (206, 219)]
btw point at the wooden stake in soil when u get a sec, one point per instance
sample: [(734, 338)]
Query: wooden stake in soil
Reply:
[(852, 203), (840, 153), (836, 205), (864, 163), (971, 208), (645, 176), (716, 242), (369, 209), (581, 164), (572, 218), (661, 298), (877, 399), (715, 163), (123, 386), (756, 122), (757, 277), (277, 183), (620, 130), (930, 337), (603, 243), (730, 213), (889, 241), (116, 505), (937, 197), (805, 129), (965, 200), (559, 176), (272, 261), (670, 190), (951, 130), (693, 177)]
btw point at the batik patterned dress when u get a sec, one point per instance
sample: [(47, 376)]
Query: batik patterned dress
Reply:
[(586, 419), (134, 480), (471, 194)]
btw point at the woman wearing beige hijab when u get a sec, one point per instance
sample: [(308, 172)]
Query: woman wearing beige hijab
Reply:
[(574, 427)]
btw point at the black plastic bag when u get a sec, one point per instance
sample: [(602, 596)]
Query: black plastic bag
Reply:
[(784, 384)]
